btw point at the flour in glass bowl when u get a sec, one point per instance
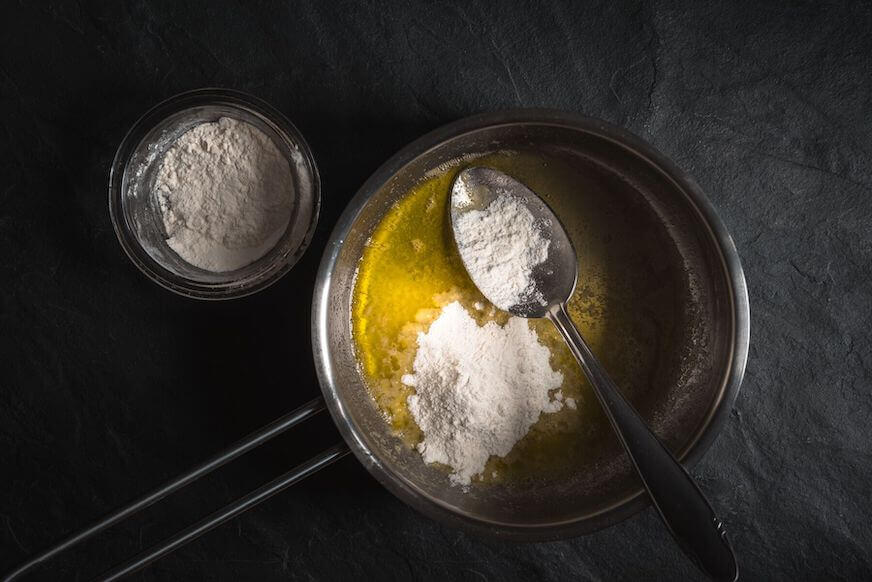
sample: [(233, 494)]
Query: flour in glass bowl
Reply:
[(225, 193)]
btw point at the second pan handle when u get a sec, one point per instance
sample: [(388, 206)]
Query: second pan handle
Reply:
[(213, 520)]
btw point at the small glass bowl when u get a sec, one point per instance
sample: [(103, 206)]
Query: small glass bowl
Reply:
[(135, 213)]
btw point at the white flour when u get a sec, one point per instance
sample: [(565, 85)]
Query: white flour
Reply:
[(478, 389), (225, 194), (500, 246)]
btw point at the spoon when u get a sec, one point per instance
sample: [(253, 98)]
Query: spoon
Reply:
[(685, 511)]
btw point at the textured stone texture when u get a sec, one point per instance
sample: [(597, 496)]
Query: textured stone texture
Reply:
[(110, 384)]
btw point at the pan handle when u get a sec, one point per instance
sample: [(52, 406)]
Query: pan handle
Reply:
[(213, 520)]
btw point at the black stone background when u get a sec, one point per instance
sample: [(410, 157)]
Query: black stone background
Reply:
[(109, 384)]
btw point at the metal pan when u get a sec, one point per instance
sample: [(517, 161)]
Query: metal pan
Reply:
[(686, 406)]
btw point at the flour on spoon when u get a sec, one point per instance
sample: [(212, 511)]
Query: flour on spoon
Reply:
[(500, 246)]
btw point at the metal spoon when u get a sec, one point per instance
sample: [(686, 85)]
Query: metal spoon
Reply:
[(682, 506)]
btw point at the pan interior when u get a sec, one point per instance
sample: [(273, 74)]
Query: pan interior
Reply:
[(681, 304)]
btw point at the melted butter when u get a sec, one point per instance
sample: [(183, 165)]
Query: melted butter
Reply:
[(411, 268)]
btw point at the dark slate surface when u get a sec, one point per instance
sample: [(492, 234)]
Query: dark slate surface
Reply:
[(110, 384)]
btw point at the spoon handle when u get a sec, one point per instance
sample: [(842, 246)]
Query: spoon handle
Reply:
[(682, 506)]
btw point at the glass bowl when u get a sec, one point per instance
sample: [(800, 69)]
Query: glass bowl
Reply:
[(135, 213)]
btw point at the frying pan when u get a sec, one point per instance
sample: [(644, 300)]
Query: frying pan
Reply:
[(686, 405)]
